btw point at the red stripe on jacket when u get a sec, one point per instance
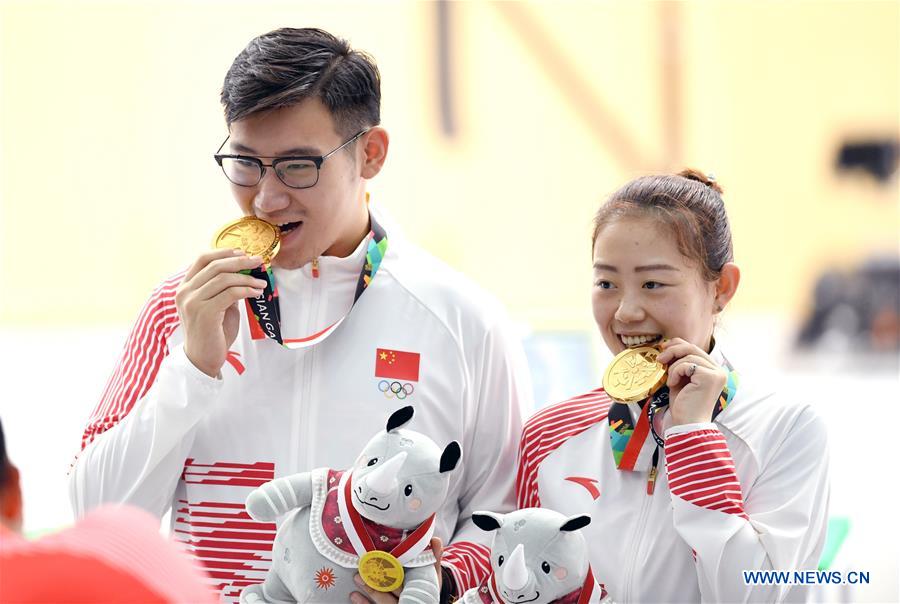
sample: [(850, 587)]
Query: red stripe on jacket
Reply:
[(469, 563), (547, 430), (139, 362), (701, 471)]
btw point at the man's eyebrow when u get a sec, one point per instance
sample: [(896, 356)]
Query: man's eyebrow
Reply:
[(245, 150)]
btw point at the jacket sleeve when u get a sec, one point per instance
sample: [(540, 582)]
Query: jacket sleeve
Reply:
[(500, 389), (134, 446), (777, 523)]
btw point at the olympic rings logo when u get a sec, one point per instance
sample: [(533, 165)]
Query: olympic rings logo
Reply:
[(392, 389)]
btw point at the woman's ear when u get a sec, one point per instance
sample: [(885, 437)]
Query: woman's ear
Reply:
[(726, 285)]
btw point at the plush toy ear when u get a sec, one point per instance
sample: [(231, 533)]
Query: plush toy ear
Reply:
[(399, 418), (450, 457), (573, 523), (487, 521)]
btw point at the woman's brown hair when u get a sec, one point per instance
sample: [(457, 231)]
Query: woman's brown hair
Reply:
[(689, 203)]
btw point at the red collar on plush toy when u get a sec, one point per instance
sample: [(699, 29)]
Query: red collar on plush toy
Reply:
[(380, 537), (582, 595)]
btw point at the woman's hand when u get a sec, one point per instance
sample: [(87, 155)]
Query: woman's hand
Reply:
[(695, 381), (370, 596)]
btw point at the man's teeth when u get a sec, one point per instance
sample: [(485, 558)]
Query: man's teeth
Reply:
[(638, 340)]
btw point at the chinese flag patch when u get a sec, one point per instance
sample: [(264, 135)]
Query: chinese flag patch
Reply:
[(396, 364)]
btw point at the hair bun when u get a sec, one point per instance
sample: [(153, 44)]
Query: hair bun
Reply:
[(708, 179)]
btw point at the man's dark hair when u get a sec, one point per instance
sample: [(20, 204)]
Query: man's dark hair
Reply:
[(286, 66)]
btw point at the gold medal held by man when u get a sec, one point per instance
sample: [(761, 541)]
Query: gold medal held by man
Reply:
[(634, 375), (381, 571), (256, 237)]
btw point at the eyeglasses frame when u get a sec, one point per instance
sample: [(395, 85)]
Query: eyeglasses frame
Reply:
[(317, 160)]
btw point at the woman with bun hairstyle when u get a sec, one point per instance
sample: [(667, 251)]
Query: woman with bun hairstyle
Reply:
[(712, 474)]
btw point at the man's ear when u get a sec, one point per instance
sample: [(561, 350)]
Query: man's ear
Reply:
[(11, 500), (373, 147)]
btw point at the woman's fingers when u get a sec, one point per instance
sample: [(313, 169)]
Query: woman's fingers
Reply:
[(676, 348), (687, 368)]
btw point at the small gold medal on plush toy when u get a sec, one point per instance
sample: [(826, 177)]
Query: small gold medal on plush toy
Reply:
[(256, 237), (381, 571), (634, 375)]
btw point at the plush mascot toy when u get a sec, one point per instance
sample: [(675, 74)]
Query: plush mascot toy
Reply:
[(375, 519), (537, 556)]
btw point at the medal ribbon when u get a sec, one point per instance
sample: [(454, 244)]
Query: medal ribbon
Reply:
[(266, 310), (414, 544), (587, 589)]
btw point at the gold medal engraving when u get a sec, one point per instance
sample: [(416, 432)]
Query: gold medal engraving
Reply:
[(256, 237), (381, 571), (634, 375)]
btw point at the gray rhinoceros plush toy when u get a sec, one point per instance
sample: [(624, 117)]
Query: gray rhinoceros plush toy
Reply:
[(537, 556), (376, 519)]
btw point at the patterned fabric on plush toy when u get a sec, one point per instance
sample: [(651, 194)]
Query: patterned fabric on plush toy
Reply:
[(385, 537)]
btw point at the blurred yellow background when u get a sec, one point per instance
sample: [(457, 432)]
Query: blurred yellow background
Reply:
[(110, 115)]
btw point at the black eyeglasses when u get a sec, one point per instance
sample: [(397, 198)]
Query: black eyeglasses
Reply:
[(295, 171)]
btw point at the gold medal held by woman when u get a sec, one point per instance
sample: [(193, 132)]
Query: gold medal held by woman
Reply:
[(256, 237), (381, 571), (634, 375)]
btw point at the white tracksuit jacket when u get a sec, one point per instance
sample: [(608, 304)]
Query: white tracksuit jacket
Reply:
[(165, 435), (746, 492)]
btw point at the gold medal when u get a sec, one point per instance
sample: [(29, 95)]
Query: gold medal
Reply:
[(256, 237), (381, 571), (634, 375)]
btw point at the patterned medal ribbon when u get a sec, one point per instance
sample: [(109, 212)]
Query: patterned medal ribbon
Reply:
[(266, 310), (627, 440), (380, 570)]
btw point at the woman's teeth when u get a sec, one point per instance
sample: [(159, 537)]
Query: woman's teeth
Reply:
[(639, 340)]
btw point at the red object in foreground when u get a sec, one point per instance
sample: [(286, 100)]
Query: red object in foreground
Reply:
[(115, 554), (396, 364)]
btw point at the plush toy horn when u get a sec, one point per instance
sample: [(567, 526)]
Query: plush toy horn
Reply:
[(383, 480), (515, 573)]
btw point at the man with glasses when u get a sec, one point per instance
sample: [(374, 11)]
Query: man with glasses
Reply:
[(205, 405)]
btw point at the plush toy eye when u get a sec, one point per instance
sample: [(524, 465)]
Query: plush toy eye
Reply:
[(545, 567), (500, 561), (408, 490), (372, 461)]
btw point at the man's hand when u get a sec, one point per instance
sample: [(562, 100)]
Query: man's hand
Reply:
[(207, 305), (377, 597)]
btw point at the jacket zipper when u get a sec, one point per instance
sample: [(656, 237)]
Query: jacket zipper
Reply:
[(646, 501), (304, 442)]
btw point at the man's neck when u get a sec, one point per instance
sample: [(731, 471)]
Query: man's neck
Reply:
[(346, 244)]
